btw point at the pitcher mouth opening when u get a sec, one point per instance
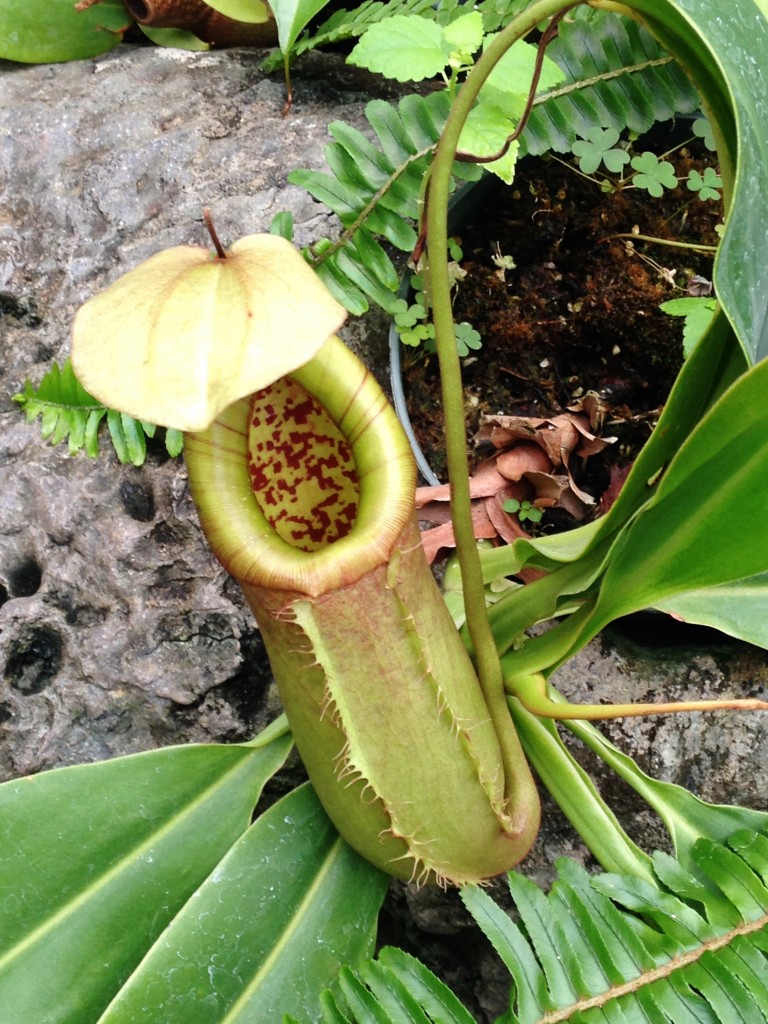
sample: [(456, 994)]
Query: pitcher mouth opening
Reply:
[(301, 467), (308, 484)]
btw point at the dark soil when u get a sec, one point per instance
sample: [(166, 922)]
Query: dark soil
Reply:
[(580, 311)]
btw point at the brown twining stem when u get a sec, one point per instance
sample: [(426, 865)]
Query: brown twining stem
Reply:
[(220, 251), (549, 33)]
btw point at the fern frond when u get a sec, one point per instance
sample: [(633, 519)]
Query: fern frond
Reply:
[(374, 190), (616, 76), (393, 989), (690, 949), (635, 944), (69, 413)]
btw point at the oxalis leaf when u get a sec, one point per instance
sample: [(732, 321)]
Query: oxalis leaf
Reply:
[(599, 146), (653, 174)]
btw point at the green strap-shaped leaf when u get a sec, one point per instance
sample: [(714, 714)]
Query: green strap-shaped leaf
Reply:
[(686, 817), (96, 860), (735, 608), (577, 795), (266, 932), (682, 540)]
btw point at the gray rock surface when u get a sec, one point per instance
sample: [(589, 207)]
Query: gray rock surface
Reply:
[(118, 630)]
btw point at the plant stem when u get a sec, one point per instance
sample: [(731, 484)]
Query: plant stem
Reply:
[(578, 797), (366, 211), (486, 657), (220, 251), (662, 241)]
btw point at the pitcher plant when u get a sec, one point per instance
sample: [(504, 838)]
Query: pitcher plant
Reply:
[(305, 490)]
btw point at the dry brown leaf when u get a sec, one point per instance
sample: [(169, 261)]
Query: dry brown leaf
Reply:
[(559, 491), (524, 457), (441, 538), (531, 464)]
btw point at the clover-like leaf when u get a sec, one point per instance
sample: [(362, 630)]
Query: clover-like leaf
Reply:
[(188, 332), (702, 129), (599, 146), (707, 185), (467, 338), (652, 174)]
